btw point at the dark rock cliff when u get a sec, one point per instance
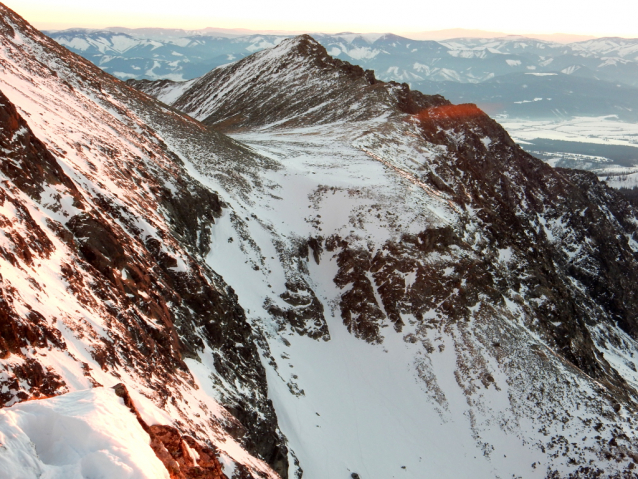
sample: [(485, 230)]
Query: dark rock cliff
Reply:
[(115, 265)]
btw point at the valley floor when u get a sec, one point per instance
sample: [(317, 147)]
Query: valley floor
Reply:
[(604, 145)]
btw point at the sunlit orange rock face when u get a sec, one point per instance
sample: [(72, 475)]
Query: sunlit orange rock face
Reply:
[(183, 456), (445, 112)]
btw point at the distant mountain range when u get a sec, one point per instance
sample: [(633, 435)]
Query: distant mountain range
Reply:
[(448, 33), (181, 55), (517, 76)]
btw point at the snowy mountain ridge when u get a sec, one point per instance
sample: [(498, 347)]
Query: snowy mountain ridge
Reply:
[(382, 264), (364, 281), (100, 251)]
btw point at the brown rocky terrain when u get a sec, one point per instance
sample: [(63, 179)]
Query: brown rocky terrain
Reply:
[(183, 456)]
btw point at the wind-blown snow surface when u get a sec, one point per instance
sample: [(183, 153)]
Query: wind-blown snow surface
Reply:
[(85, 434)]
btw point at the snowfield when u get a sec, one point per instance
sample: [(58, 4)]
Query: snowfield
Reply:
[(604, 130), (336, 398), (78, 435)]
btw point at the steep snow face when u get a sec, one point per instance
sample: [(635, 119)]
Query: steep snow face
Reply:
[(77, 435), (484, 382), (435, 302), (103, 235)]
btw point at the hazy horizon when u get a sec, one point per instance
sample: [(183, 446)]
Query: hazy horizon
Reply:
[(443, 34), (546, 18)]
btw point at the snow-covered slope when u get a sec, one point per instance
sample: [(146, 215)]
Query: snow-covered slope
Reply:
[(626, 48), (367, 282), (103, 231), (436, 302), (100, 433), (166, 91)]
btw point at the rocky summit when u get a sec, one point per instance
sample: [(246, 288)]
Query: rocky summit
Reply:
[(288, 268)]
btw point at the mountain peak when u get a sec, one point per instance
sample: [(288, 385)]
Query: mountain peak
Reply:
[(294, 83), (305, 46), (304, 39)]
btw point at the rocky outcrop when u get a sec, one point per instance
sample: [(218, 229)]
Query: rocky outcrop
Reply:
[(518, 196), (303, 311), (29, 166), (27, 162), (142, 278), (557, 242), (183, 456)]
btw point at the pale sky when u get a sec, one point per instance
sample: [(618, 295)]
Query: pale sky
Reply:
[(585, 17)]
